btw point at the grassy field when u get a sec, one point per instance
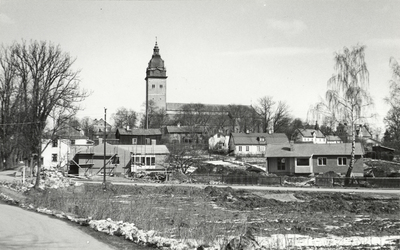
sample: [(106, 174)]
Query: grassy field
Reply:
[(211, 213)]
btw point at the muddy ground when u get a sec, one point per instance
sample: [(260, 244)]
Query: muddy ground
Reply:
[(315, 214)]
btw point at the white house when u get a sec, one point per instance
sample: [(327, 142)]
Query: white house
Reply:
[(310, 135), (254, 144), (218, 141), (61, 149)]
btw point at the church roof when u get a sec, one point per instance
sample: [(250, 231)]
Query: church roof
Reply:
[(156, 66), (183, 129), (208, 107)]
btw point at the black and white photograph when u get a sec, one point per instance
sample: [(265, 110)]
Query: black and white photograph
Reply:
[(199, 124)]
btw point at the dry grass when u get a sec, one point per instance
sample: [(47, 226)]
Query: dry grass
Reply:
[(205, 215), (174, 212)]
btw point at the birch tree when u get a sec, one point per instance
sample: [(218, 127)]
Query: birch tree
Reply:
[(347, 96)]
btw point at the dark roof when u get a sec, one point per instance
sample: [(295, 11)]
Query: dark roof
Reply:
[(309, 133), (156, 66), (253, 138), (208, 107), (183, 129), (308, 150), (383, 147), (139, 131)]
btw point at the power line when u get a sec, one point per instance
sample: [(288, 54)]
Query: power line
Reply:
[(20, 123)]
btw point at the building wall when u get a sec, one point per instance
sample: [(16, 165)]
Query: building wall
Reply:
[(332, 165), (244, 150), (156, 92), (273, 166), (158, 164), (141, 139), (61, 152)]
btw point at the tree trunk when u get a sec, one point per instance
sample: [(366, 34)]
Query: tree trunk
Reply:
[(352, 157), (39, 156)]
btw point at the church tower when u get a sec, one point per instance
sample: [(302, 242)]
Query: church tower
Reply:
[(156, 82)]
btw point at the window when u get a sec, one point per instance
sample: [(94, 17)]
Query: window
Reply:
[(240, 148), (262, 148), (54, 143), (138, 160), (54, 157), (281, 164), (321, 161), (150, 160), (153, 86), (247, 148), (72, 142), (143, 161), (303, 161), (134, 141), (148, 141), (161, 86), (342, 161), (262, 139)]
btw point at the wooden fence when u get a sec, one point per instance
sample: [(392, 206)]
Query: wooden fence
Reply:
[(378, 182)]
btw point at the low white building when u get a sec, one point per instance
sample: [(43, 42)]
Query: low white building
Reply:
[(218, 141), (310, 135), (253, 144)]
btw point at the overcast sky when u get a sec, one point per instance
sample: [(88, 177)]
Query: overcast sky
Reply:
[(217, 52)]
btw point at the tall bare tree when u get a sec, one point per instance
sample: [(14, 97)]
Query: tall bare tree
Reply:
[(10, 116), (49, 89), (272, 115), (347, 97)]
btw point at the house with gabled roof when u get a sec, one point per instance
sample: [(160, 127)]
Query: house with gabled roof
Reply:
[(59, 148), (138, 136), (253, 144), (307, 158), (309, 136)]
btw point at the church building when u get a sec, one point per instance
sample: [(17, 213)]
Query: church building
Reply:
[(156, 91)]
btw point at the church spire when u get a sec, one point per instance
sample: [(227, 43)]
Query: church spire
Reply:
[(156, 49), (156, 66)]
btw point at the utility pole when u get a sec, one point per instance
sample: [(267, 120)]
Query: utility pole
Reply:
[(104, 141)]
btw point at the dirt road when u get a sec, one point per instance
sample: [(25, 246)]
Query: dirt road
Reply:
[(21, 229)]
